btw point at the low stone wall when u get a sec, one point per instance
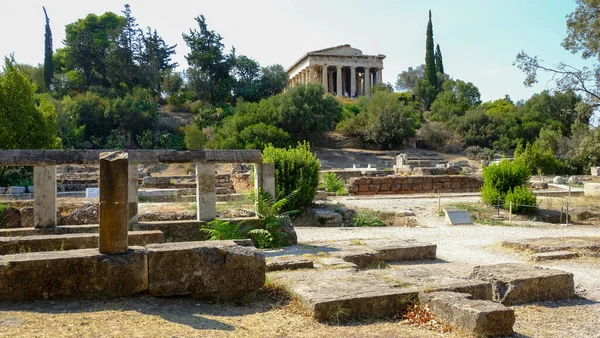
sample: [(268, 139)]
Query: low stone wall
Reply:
[(591, 189), (214, 270), (358, 172), (396, 185)]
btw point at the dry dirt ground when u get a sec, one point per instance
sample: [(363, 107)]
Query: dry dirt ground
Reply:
[(460, 248)]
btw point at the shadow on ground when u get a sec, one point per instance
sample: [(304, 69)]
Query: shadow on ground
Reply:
[(185, 311)]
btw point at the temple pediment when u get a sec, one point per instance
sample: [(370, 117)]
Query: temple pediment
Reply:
[(342, 50)]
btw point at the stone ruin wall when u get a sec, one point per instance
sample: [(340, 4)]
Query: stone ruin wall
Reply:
[(398, 185)]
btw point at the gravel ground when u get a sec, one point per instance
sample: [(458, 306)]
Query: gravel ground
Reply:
[(462, 247)]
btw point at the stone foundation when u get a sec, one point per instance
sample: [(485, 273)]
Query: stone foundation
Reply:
[(214, 269), (396, 185), (73, 274)]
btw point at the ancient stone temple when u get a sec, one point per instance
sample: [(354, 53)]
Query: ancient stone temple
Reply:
[(343, 70)]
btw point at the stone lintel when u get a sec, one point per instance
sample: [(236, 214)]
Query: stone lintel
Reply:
[(60, 157)]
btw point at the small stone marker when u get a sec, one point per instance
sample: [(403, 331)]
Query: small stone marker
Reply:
[(457, 217), (92, 192)]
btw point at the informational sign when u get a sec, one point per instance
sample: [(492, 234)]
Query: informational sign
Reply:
[(92, 192)]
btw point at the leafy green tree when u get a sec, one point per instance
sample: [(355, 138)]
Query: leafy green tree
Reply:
[(389, 121), (248, 74), (273, 81), (439, 62), (500, 179), (306, 112), (408, 78), (456, 98), (172, 83), (209, 75), (88, 110), (23, 124), (155, 63), (88, 43), (48, 62)]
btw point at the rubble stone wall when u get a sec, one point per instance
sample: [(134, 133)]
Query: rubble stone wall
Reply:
[(396, 185)]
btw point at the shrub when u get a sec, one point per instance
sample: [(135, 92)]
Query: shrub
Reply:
[(367, 218), (295, 169), (478, 153), (3, 207), (334, 184), (499, 179), (435, 135), (194, 137), (538, 160), (218, 230), (522, 199)]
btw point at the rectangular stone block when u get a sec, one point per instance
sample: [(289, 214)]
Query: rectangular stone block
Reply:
[(73, 274), (211, 269), (521, 283), (477, 317)]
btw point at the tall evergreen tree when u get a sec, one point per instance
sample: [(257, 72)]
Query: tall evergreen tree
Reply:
[(439, 63), (48, 62), (430, 69)]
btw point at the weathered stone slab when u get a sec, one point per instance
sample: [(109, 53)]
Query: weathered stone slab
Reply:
[(288, 263), (591, 189), (341, 294), (38, 243), (522, 283), (334, 263), (212, 269), (457, 217), (64, 229), (404, 251), (549, 244), (361, 257), (547, 256), (327, 218), (478, 317), (73, 274)]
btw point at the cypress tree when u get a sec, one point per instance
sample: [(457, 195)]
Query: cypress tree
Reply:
[(48, 62), (439, 63), (430, 69)]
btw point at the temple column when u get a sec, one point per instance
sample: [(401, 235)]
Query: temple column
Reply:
[(311, 74), (379, 76), (353, 82), (339, 89), (324, 79), (330, 77), (302, 77), (367, 82)]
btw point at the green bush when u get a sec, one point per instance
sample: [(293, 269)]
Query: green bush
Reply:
[(522, 199), (502, 178), (367, 218), (540, 161), (295, 169), (478, 153), (334, 184), (218, 230), (3, 207)]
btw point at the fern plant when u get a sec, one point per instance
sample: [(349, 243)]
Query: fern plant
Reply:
[(218, 230), (268, 234)]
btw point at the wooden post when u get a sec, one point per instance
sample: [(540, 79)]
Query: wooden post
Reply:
[(113, 203)]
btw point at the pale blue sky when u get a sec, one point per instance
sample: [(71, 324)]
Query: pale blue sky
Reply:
[(479, 38)]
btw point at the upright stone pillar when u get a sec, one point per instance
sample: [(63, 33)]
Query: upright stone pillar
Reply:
[(339, 89), (325, 78), (113, 203), (367, 82), (44, 197), (353, 82), (268, 178), (379, 76), (303, 77), (330, 77), (132, 194), (311, 74), (206, 191)]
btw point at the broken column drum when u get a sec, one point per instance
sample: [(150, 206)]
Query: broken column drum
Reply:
[(113, 203)]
